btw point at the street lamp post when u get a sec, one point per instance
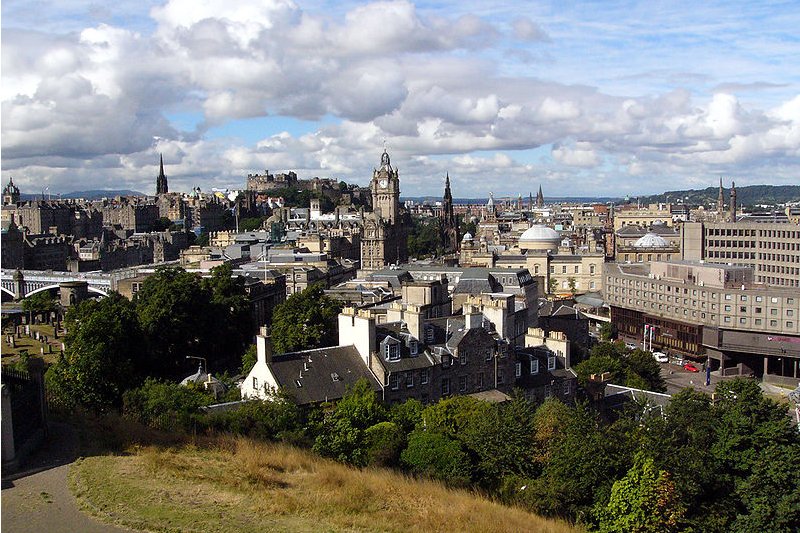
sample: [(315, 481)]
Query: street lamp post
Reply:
[(203, 359)]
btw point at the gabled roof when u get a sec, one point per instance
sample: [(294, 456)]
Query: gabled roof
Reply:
[(324, 374), (565, 311)]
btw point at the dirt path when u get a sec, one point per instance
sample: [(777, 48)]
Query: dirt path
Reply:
[(38, 499)]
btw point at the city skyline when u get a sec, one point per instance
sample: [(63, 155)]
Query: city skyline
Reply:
[(608, 99)]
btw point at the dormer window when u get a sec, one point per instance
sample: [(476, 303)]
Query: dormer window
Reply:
[(551, 362), (534, 367), (428, 334), (392, 351), (413, 347), (445, 361)]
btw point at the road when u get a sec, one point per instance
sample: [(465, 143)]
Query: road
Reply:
[(38, 499)]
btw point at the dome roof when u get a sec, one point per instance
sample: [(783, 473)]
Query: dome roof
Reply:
[(651, 240), (467, 237), (540, 234)]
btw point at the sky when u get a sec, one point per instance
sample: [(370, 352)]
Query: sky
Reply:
[(595, 98)]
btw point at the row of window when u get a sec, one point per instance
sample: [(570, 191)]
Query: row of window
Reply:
[(740, 232), (394, 379), (576, 269), (621, 282)]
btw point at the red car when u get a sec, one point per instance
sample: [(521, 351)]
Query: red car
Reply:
[(690, 367)]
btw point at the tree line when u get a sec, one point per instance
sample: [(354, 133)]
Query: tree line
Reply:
[(721, 465), (113, 344)]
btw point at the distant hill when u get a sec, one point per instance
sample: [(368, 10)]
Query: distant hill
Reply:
[(94, 194), (500, 199), (750, 195)]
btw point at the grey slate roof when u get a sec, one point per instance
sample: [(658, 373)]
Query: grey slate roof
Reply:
[(317, 381)]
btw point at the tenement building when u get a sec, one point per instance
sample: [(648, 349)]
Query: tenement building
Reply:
[(771, 248), (713, 311)]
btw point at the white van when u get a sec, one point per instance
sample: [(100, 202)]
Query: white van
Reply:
[(661, 357)]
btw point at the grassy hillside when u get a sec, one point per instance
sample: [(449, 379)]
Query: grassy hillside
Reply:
[(750, 195), (238, 485)]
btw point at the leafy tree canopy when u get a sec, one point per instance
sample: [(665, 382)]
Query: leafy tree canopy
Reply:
[(644, 501), (103, 354), (41, 302), (435, 455), (305, 320)]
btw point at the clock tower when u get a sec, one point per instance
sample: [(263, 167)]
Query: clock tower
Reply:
[(384, 237), (385, 187)]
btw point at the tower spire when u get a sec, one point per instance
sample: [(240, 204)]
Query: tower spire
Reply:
[(161, 179)]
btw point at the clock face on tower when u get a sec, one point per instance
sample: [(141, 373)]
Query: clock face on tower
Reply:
[(383, 184)]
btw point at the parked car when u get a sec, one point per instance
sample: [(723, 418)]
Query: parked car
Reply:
[(631, 345), (690, 367), (661, 357)]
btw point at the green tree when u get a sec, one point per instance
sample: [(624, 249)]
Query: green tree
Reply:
[(178, 319), (305, 320), (162, 224), (231, 313), (644, 369), (452, 415), (103, 355), (681, 443), (165, 405), (424, 237), (249, 359), (435, 455), (384, 441), (277, 419), (579, 470), (749, 431), (39, 303), (407, 415), (250, 223), (771, 493), (597, 364), (343, 429), (645, 500), (572, 285), (607, 332), (502, 439), (552, 285), (467, 227)]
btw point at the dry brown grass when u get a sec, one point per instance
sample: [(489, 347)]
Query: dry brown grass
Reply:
[(235, 484)]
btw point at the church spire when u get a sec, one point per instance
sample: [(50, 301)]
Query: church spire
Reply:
[(161, 179), (720, 198), (540, 198), (449, 222)]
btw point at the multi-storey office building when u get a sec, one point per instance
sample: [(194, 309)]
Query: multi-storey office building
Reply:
[(771, 248), (709, 310)]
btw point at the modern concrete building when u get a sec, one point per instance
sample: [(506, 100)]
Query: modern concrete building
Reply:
[(771, 248), (709, 310)]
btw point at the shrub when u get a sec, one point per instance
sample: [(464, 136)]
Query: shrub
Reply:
[(383, 442), (164, 405), (435, 455)]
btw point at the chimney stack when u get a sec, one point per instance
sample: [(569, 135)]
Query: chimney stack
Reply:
[(264, 346)]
